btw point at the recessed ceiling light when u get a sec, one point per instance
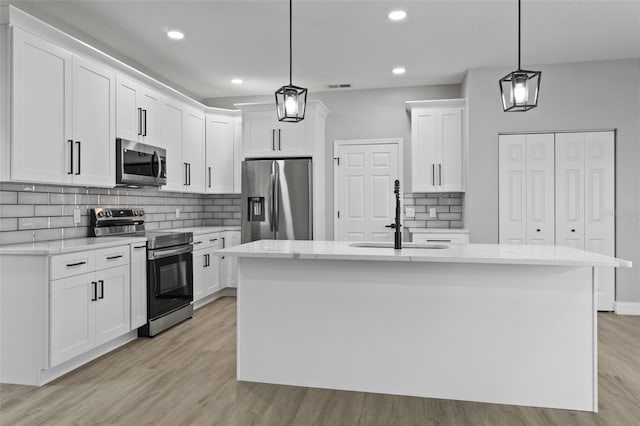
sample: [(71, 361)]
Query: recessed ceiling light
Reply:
[(397, 15), (398, 70), (236, 81), (175, 35)]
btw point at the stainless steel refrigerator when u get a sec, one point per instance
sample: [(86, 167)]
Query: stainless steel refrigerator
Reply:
[(277, 200)]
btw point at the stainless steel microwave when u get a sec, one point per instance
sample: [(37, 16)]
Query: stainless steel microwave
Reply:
[(139, 164)]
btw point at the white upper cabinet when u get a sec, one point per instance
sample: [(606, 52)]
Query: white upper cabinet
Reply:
[(222, 152), (172, 131), (237, 154), (93, 123), (63, 110), (437, 148), (265, 136), (193, 151), (139, 112)]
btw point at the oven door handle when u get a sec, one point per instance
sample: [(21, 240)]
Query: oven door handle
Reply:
[(159, 254)]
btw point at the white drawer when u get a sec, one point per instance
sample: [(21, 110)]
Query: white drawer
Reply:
[(112, 257), (206, 241), (68, 265), (441, 238)]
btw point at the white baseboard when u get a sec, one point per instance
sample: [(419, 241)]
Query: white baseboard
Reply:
[(227, 291), (627, 308)]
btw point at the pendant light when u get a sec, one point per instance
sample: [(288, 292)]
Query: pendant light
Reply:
[(291, 101), (519, 89)]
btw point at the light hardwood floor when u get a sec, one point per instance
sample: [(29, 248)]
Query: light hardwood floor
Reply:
[(187, 376)]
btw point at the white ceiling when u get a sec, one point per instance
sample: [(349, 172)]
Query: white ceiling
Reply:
[(341, 41)]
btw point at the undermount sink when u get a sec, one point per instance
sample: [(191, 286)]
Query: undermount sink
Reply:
[(404, 245)]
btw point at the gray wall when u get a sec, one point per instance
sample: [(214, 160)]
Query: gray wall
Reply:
[(362, 114), (595, 95)]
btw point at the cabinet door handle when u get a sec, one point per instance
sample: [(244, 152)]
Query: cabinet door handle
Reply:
[(440, 173), (433, 174), (139, 121), (79, 157), (224, 242), (70, 172), (279, 139), (185, 174), (139, 247), (94, 291), (204, 261), (209, 176), (273, 139), (69, 265), (114, 257), (144, 111), (101, 289), (189, 173)]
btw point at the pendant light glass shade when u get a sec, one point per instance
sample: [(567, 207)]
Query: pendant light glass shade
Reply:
[(291, 101), (520, 88)]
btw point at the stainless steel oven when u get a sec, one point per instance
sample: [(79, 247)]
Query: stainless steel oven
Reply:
[(169, 280), (139, 164)]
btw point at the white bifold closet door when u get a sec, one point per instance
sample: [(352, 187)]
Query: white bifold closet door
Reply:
[(585, 199), (526, 189)]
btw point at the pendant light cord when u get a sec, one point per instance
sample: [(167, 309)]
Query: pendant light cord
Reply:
[(519, 43), (291, 43)]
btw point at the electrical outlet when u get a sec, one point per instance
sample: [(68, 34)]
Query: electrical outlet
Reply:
[(432, 212), (411, 212), (76, 216), (177, 213)]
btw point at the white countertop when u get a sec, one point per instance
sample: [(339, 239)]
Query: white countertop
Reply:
[(68, 246), (455, 253), (438, 230), (199, 230)]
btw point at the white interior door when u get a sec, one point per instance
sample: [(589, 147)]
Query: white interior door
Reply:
[(570, 190), (599, 214), (365, 199), (512, 189), (540, 189)]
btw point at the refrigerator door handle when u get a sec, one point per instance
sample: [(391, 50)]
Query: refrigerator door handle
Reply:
[(276, 199), (271, 208)]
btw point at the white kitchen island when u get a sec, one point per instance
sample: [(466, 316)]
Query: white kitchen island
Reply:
[(492, 323)]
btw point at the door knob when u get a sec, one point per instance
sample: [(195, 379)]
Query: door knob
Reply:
[(573, 230), (392, 226), (537, 230)]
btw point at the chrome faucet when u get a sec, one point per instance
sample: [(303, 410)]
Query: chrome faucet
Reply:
[(397, 244)]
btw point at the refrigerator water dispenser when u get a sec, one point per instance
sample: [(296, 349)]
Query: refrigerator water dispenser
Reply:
[(256, 209)]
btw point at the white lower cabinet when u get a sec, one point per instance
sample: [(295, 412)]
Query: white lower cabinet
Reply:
[(138, 285), (88, 310), (206, 265)]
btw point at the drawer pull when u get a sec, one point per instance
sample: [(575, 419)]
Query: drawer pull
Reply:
[(139, 247), (438, 241), (114, 257), (197, 242), (69, 265), (215, 239)]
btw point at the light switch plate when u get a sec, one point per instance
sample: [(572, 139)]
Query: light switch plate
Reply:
[(410, 212), (177, 213), (76, 216), (432, 212)]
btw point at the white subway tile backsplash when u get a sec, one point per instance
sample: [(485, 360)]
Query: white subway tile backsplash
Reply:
[(16, 211), (33, 198), (8, 197), (448, 208), (13, 237), (33, 223), (8, 224)]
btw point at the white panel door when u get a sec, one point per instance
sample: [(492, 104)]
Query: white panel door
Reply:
[(193, 151), (220, 149), (450, 176), (512, 210), (366, 176), (570, 189), (599, 237), (540, 211), (73, 302), (94, 123), (424, 156), (173, 125), (114, 303), (41, 114), (128, 111)]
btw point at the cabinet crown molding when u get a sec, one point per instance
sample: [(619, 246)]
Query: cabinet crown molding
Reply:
[(317, 105), (435, 103)]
